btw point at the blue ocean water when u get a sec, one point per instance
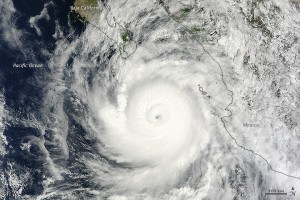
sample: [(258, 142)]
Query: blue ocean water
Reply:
[(22, 90)]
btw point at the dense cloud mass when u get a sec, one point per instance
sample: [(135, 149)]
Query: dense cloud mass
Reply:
[(152, 100)]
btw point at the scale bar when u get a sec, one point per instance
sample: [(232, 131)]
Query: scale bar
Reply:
[(276, 193)]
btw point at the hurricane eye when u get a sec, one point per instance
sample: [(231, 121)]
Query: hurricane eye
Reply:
[(158, 114)]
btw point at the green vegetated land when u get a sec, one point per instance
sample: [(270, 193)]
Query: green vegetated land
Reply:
[(126, 36)]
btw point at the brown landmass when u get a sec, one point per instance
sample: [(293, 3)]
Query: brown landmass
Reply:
[(86, 8)]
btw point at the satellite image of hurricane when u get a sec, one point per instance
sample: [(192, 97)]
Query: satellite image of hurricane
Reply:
[(150, 100)]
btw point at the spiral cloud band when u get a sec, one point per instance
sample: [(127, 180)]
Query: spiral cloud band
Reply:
[(154, 100), (156, 124), (153, 108)]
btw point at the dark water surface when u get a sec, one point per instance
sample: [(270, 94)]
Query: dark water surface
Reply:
[(22, 92)]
